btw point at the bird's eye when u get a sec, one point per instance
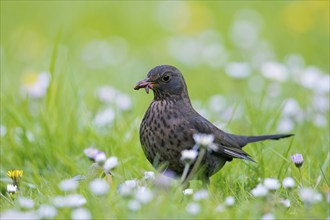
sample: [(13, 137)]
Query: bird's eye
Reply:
[(166, 78)]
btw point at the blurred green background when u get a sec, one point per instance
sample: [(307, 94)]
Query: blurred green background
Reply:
[(118, 42), (268, 61)]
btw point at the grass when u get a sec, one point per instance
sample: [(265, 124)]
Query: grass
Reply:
[(46, 137)]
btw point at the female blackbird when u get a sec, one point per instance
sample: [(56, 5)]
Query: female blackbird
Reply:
[(170, 122)]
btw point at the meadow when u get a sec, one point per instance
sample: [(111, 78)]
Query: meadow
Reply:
[(70, 117)]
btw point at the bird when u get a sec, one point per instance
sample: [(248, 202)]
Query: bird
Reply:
[(170, 123)]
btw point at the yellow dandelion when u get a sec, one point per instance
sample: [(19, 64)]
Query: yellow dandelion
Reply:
[(15, 175)]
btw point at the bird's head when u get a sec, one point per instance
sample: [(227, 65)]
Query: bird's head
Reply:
[(166, 81)]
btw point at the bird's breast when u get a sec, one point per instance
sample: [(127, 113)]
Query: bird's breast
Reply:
[(162, 133)]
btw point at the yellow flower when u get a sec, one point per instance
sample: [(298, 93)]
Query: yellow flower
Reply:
[(15, 175)]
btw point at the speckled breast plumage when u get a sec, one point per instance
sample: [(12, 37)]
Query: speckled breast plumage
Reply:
[(162, 135)]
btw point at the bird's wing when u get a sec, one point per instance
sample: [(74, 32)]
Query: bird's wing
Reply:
[(236, 153), (227, 145)]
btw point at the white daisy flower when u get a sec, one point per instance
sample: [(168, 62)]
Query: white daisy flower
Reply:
[(127, 188), (268, 216), (25, 202), (71, 201), (134, 205), (220, 208), (288, 182), (123, 102), (68, 185), (309, 195), (259, 191), (106, 94), (3, 130), (201, 195), (11, 188), (188, 156), (47, 212), (110, 163), (275, 71), (238, 70), (271, 183), (81, 214), (91, 152), (205, 140), (285, 202), (193, 208), (104, 118), (188, 192), (18, 215), (36, 85), (143, 195), (230, 201), (149, 175), (99, 187), (100, 157)]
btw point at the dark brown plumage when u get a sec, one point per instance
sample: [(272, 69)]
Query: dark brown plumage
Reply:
[(170, 122)]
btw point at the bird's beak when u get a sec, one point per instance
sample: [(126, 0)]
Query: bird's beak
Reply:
[(146, 84)]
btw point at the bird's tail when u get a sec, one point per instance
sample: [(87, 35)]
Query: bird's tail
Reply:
[(244, 140), (250, 139)]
